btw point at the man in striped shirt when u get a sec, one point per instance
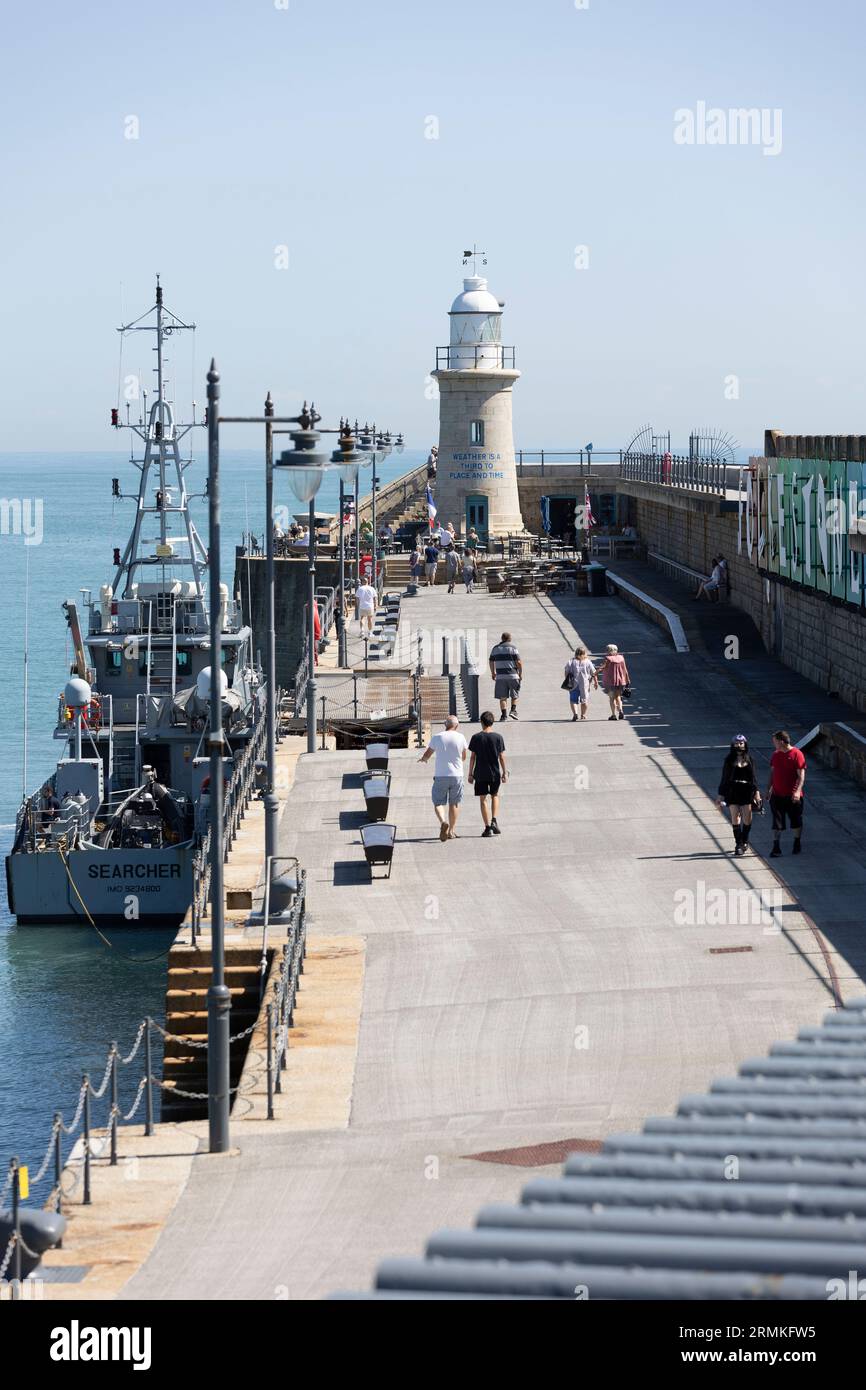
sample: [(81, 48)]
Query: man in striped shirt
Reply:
[(506, 669)]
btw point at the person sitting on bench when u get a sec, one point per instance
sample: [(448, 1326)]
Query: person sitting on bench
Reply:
[(711, 586)]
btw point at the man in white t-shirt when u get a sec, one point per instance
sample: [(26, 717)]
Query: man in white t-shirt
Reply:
[(450, 749), (365, 603)]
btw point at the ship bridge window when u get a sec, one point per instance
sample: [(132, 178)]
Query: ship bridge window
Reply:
[(183, 661), (228, 656), (114, 663)]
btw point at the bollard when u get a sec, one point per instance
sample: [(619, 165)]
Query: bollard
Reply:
[(85, 1201), (112, 1119), (446, 668), (148, 1067), (270, 1027)]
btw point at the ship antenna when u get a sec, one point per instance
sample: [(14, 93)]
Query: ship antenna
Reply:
[(26, 656)]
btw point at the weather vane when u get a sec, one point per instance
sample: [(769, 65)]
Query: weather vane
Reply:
[(473, 257)]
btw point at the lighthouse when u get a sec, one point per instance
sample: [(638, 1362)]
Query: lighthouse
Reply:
[(476, 477)]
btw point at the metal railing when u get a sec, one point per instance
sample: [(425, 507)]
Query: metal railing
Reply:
[(395, 497), (543, 461), (713, 476), (237, 798), (279, 1019), (466, 357)]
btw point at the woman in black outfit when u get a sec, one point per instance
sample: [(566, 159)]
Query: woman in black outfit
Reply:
[(739, 789)]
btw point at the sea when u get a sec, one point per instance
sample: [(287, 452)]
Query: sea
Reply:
[(64, 994)]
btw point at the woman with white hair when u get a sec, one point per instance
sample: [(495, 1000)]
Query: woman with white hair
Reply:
[(615, 679)]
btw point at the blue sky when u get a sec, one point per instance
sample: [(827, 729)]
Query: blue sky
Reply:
[(305, 127)]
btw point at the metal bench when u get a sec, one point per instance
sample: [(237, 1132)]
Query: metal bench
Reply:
[(377, 793), (378, 841), (376, 750)]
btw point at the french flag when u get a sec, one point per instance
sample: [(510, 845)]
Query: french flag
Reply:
[(431, 506)]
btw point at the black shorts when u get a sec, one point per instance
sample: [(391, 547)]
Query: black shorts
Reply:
[(786, 808), (487, 786)]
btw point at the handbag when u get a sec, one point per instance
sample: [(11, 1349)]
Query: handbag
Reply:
[(626, 692), (569, 683)]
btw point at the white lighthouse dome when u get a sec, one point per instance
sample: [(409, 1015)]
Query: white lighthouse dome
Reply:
[(476, 298)]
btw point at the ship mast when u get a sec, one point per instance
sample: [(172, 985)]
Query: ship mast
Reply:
[(161, 436)]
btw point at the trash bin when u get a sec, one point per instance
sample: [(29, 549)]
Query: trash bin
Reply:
[(595, 579)]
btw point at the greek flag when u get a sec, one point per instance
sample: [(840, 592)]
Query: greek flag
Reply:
[(545, 515)]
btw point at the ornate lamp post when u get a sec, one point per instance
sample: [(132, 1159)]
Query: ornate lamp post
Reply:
[(306, 466), (346, 459)]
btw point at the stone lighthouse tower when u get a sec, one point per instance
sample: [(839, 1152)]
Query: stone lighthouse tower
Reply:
[(476, 478)]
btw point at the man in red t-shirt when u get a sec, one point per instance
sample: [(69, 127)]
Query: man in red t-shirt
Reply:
[(785, 790)]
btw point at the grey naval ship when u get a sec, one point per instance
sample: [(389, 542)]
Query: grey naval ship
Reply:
[(110, 836)]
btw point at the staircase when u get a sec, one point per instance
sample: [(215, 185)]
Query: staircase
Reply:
[(161, 670), (190, 970)]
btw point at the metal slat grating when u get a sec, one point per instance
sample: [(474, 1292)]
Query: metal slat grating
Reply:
[(755, 1190)]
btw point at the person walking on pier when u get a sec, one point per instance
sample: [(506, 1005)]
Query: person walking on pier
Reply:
[(785, 790), (431, 560), (366, 599), (506, 670), (470, 569), (487, 771), (449, 749), (580, 677), (415, 564), (452, 565), (615, 679), (738, 790)]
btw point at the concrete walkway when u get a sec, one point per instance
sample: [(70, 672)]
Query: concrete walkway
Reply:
[(559, 983)]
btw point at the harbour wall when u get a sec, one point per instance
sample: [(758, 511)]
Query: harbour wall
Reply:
[(821, 638)]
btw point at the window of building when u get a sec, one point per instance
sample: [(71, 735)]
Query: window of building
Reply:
[(114, 663), (476, 432)]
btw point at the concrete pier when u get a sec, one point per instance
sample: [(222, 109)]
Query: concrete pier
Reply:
[(501, 1002)]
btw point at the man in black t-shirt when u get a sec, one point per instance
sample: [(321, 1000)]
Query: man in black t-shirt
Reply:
[(487, 771)]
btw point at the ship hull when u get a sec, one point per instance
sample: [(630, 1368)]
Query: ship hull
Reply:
[(118, 887)]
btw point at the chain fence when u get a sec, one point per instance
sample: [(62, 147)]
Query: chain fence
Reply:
[(279, 1016)]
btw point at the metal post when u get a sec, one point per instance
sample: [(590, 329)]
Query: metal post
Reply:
[(85, 1200), (148, 1091), (311, 632), (373, 504), (218, 997), (270, 1027), (324, 697), (357, 534), (112, 1119), (342, 657), (16, 1228), (355, 691), (271, 803), (58, 1165)]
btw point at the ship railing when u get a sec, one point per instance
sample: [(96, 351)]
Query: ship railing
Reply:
[(98, 716), (37, 828)]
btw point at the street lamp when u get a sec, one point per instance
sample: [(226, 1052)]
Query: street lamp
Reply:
[(306, 467), (347, 460), (373, 445)]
